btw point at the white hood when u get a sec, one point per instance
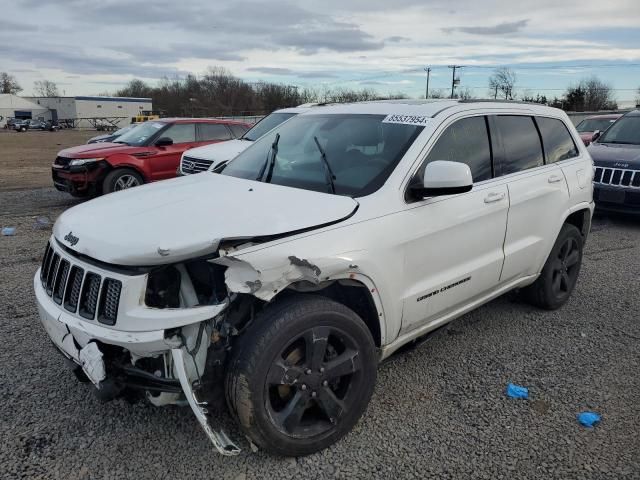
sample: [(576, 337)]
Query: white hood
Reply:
[(218, 152), (186, 217)]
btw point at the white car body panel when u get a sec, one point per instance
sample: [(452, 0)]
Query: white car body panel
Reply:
[(423, 262), (227, 208)]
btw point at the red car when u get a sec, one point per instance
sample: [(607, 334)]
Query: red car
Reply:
[(149, 152), (596, 123)]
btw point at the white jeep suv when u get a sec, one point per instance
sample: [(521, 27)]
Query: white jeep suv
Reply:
[(330, 242)]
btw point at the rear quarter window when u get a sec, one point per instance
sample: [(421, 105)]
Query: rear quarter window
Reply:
[(522, 146), (213, 131), (557, 141), (238, 130)]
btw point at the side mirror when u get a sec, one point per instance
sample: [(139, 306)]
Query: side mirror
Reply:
[(442, 177), (596, 135), (164, 142)]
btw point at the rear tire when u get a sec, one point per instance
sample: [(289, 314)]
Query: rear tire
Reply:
[(559, 275), (303, 377), (121, 179)]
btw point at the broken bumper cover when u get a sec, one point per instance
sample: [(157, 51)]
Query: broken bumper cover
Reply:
[(72, 336)]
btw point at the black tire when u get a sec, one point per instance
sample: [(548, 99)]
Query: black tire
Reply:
[(116, 180), (280, 403), (560, 272)]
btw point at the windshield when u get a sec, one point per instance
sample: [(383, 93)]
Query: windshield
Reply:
[(347, 154), (267, 123), (593, 124), (140, 134), (123, 130), (626, 131)]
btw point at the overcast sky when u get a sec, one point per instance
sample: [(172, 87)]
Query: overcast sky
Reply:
[(88, 47)]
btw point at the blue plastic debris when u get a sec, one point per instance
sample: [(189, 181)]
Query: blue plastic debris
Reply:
[(516, 391), (9, 231), (588, 419)]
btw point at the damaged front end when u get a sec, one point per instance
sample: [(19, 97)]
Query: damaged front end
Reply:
[(164, 331), (167, 331)]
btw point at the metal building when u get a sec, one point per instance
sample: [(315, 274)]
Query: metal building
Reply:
[(87, 112), (12, 106)]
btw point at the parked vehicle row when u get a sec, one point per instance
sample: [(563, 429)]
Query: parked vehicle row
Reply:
[(33, 124), (149, 152), (332, 240), (592, 126), (205, 158)]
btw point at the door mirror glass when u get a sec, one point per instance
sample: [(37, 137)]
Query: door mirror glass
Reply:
[(164, 142), (442, 177)]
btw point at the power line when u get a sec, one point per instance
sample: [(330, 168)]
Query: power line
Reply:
[(428, 70), (453, 77)]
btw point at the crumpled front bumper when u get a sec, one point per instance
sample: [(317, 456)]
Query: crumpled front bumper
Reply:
[(71, 335)]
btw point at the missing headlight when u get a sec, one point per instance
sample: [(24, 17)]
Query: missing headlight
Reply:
[(163, 288), (166, 287)]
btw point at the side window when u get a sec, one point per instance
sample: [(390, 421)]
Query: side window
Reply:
[(213, 131), (238, 130), (557, 141), (465, 141), (522, 147), (181, 132)]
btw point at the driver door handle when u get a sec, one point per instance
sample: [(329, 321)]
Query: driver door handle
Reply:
[(554, 179), (494, 197)]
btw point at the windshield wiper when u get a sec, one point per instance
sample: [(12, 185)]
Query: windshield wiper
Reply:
[(330, 177), (270, 162)]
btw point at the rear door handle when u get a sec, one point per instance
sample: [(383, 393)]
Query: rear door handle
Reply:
[(554, 179), (494, 197)]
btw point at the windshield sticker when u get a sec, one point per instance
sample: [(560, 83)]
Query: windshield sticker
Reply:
[(406, 119), (157, 125)]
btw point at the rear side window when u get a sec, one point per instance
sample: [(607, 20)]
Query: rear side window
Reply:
[(181, 132), (465, 141), (557, 141), (214, 131), (238, 130), (522, 147)]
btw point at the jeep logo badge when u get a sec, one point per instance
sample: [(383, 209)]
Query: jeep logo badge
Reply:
[(71, 238)]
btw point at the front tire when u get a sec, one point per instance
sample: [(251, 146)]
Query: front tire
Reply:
[(559, 275), (302, 378), (121, 179)]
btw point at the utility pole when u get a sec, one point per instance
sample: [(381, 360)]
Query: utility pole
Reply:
[(428, 70), (453, 78)]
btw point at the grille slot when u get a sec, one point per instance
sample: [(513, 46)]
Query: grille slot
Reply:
[(617, 177), (72, 293), (53, 266), (191, 165), (60, 281), (89, 296), (45, 262), (109, 301)]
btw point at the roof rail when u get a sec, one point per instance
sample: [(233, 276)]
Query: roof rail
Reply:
[(489, 100)]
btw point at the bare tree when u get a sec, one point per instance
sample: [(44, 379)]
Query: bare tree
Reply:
[(437, 93), (502, 82), (9, 84), (589, 95), (464, 94), (45, 88)]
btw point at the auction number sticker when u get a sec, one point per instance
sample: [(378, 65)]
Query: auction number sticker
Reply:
[(406, 119), (157, 126)]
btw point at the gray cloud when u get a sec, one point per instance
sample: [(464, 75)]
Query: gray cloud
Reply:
[(500, 29), (9, 26), (317, 74), (271, 70), (79, 62), (396, 39)]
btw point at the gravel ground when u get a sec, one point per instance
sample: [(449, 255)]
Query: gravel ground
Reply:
[(439, 409)]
